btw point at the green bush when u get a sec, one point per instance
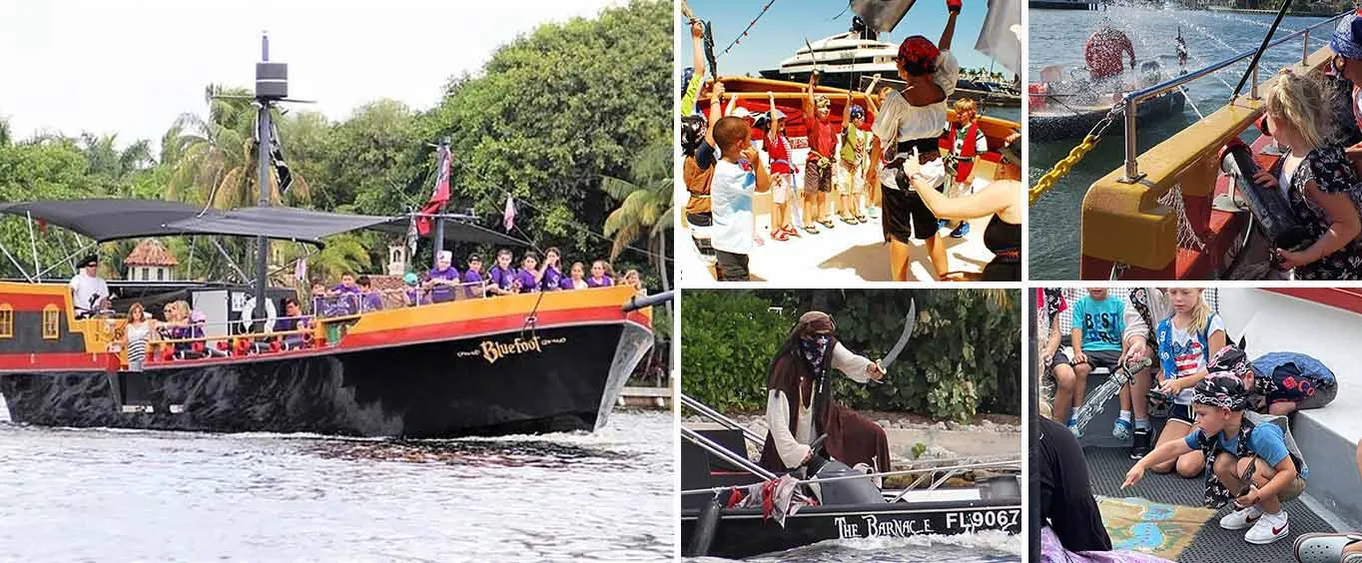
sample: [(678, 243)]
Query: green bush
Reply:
[(964, 356)]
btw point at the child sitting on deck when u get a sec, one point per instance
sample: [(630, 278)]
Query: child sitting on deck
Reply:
[(1320, 186), (1252, 459), (294, 321), (1098, 341), (1186, 342), (737, 175)]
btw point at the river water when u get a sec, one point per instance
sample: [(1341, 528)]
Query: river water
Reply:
[(980, 547), (1058, 36), (114, 495)]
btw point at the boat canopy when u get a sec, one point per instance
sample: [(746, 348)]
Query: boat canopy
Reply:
[(115, 219)]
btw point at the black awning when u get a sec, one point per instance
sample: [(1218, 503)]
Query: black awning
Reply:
[(115, 219), (106, 219)]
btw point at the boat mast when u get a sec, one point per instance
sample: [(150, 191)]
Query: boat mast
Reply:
[(271, 83), (442, 155)]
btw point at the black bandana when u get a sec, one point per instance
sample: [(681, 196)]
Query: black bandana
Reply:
[(1232, 360), (1221, 391), (813, 350)]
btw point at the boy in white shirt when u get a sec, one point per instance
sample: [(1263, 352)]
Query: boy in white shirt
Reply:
[(737, 175)]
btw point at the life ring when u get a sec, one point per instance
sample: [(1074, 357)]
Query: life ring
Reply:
[(248, 312)]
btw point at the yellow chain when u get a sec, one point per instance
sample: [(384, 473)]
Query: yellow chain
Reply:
[(1062, 168)]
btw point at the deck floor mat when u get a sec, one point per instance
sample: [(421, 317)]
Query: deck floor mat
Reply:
[(1107, 469)]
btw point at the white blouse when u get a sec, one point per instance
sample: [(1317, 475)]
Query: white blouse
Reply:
[(899, 121), (793, 448)]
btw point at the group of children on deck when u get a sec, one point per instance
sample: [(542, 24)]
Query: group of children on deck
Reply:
[(723, 169), (444, 282), (1225, 414)]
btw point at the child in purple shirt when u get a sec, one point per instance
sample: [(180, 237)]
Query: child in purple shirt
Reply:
[(527, 277), (347, 294), (369, 299), (551, 275), (502, 275), (577, 279), (443, 278), (598, 277), (472, 279)]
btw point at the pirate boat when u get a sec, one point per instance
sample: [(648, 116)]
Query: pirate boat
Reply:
[(1156, 217), (1066, 104), (847, 503), (714, 464), (525, 363)]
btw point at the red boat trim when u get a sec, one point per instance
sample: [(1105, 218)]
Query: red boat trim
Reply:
[(59, 361), (1340, 298)]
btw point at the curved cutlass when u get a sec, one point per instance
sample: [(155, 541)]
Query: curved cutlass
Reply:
[(909, 322)]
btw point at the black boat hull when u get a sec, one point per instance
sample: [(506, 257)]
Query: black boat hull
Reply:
[(568, 379), (743, 533), (1054, 127)]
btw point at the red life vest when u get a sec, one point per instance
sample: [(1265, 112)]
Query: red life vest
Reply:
[(964, 162)]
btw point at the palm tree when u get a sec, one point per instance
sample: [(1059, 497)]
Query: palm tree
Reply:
[(344, 253), (646, 205), (213, 160)]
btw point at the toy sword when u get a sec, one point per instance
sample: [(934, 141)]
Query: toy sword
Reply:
[(909, 322)]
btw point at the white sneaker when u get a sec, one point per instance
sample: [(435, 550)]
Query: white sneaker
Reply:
[(1241, 518), (1270, 528)]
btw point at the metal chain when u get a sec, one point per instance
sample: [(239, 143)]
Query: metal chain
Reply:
[(1066, 164)]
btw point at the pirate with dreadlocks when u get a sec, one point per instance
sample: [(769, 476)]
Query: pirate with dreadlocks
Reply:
[(800, 407), (1251, 459)]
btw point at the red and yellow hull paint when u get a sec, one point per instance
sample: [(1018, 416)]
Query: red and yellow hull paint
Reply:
[(1124, 226), (83, 345)]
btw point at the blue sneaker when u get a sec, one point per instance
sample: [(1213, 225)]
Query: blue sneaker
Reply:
[(940, 224), (961, 231), (1121, 430)]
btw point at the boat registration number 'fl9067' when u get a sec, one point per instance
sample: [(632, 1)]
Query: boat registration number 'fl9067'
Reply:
[(492, 350), (988, 519)]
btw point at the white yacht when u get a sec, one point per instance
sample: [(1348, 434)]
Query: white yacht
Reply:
[(840, 59)]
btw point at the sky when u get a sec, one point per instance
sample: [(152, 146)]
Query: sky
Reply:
[(131, 67), (787, 23)]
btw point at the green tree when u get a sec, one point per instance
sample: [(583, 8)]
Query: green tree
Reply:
[(551, 114), (646, 205)]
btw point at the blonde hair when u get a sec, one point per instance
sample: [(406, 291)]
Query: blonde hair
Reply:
[(1201, 313), (1302, 101), (965, 104)]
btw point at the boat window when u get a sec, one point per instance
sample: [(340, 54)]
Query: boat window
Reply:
[(51, 322), (160, 274), (6, 320)]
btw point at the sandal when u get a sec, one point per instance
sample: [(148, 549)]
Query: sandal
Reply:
[(847, 219), (780, 236), (791, 231), (826, 223), (861, 218), (811, 229), (1319, 548)]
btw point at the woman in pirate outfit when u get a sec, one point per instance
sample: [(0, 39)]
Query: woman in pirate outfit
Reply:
[(1251, 459), (799, 407), (909, 125)]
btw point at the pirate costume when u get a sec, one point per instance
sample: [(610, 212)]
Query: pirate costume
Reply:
[(800, 407), (1259, 436), (907, 131)]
